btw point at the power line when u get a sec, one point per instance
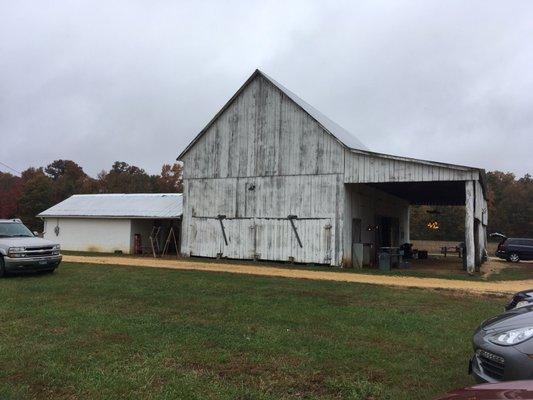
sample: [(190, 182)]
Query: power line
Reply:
[(11, 168)]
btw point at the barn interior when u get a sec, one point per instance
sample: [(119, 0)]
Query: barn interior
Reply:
[(380, 224)]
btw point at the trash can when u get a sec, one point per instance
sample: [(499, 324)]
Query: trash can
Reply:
[(384, 261)]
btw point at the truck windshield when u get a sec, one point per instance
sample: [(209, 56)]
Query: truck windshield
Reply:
[(14, 229)]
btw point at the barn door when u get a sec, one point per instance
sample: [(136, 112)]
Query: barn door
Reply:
[(205, 237), (275, 239), (315, 236), (229, 237), (240, 237), (308, 242)]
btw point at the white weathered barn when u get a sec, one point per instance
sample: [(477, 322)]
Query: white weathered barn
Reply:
[(111, 222), (271, 178)]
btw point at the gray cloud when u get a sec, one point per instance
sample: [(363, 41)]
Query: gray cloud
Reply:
[(136, 80)]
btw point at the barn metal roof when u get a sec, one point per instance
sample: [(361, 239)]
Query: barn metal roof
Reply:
[(119, 205), (344, 136), (338, 132)]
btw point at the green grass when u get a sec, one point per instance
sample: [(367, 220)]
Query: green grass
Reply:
[(106, 332), (514, 272)]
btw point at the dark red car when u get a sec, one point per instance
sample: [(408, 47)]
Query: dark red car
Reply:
[(493, 391)]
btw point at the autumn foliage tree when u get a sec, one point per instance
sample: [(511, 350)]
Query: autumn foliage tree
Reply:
[(170, 180), (10, 191), (40, 188)]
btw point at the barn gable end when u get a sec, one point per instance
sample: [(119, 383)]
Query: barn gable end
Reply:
[(262, 131)]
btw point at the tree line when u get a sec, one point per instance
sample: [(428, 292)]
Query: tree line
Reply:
[(510, 199), (37, 189)]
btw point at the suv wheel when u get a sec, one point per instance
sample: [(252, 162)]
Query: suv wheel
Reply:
[(2, 267), (514, 257)]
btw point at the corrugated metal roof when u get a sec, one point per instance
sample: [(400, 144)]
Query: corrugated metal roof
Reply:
[(334, 129), (120, 205)]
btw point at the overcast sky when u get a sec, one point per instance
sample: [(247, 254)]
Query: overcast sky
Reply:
[(99, 81)]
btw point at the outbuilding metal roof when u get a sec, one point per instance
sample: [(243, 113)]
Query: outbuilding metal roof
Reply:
[(120, 205)]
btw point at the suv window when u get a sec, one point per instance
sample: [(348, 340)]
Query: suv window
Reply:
[(14, 229), (520, 242)]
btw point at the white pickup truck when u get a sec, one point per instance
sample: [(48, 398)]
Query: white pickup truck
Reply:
[(22, 251)]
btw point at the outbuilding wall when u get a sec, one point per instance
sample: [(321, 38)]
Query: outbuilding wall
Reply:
[(90, 234)]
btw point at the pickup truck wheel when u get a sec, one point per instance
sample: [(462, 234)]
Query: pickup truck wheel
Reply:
[(514, 257), (2, 267)]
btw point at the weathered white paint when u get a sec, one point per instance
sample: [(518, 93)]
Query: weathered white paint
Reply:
[(264, 157), (480, 243), (469, 227), (263, 133), (366, 167), (90, 234)]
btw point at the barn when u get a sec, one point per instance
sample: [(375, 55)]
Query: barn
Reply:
[(111, 223), (272, 178)]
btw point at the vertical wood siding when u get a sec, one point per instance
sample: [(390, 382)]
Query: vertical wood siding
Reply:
[(262, 239), (263, 133), (366, 168), (265, 158)]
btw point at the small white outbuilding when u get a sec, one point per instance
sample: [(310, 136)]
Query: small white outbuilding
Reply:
[(111, 223)]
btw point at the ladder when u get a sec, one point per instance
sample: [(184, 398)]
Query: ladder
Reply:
[(171, 236), (154, 240)]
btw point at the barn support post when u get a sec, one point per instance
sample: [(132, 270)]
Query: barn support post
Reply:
[(480, 245), (469, 227), (406, 224)]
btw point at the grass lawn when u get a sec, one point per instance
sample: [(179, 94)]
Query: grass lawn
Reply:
[(514, 272), (105, 332)]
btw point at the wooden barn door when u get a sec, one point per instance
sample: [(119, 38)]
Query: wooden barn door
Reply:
[(308, 242), (275, 239), (240, 238), (205, 237)]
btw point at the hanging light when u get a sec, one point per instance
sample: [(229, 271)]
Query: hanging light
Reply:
[(433, 225)]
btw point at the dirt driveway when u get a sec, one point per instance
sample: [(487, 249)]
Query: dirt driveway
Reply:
[(433, 283)]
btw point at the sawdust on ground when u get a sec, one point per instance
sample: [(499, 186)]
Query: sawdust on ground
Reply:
[(502, 287)]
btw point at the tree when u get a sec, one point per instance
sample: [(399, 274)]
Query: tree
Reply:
[(170, 180), (37, 195), (125, 178), (69, 178), (10, 191)]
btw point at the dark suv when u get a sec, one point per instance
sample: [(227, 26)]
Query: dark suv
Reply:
[(515, 249)]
